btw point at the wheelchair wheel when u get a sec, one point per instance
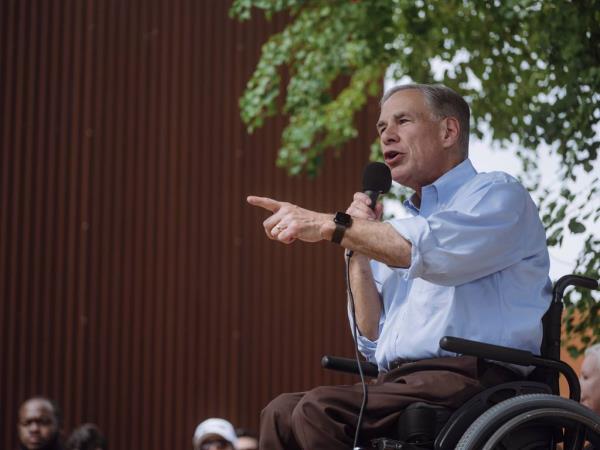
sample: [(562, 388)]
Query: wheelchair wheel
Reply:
[(550, 416), (532, 422)]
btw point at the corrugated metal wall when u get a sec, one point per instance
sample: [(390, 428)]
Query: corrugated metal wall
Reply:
[(138, 288)]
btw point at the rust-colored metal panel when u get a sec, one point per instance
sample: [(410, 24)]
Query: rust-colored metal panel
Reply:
[(138, 288)]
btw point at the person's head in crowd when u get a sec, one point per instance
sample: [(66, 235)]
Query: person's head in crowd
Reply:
[(87, 437), (215, 434), (590, 378), (39, 424), (246, 440)]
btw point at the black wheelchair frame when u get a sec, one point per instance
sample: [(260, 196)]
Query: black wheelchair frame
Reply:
[(521, 415)]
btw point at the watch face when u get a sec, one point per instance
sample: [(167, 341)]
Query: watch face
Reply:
[(343, 219)]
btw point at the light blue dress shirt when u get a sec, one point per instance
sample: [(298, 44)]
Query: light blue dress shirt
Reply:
[(479, 270)]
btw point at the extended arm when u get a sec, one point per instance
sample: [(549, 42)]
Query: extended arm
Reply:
[(374, 239)]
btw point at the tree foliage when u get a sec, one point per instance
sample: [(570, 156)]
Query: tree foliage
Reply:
[(530, 69)]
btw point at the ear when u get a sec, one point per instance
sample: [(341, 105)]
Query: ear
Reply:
[(450, 132)]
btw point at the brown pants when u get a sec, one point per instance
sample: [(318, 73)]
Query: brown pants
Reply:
[(325, 417)]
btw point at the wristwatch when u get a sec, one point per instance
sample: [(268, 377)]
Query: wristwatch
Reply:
[(342, 221)]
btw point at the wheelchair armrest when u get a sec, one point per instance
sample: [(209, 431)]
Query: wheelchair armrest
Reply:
[(488, 351), (349, 365), (512, 356)]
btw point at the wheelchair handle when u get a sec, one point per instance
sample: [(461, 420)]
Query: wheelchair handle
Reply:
[(571, 280)]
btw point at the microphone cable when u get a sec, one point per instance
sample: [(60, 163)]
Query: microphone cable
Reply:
[(365, 399), (377, 179)]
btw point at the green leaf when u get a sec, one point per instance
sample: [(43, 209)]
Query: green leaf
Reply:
[(576, 227)]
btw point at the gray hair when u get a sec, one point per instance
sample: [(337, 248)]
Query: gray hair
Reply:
[(594, 351), (443, 102)]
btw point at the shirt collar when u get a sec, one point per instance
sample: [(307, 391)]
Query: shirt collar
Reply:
[(444, 187)]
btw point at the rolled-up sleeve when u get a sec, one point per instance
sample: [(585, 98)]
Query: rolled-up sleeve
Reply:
[(459, 245)]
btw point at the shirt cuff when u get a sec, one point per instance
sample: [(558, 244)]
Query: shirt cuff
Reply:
[(416, 230), (367, 348)]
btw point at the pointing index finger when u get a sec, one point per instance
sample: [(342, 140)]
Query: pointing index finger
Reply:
[(264, 202)]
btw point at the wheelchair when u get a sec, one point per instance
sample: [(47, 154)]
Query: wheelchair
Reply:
[(519, 415)]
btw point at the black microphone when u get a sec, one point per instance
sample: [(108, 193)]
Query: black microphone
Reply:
[(377, 180)]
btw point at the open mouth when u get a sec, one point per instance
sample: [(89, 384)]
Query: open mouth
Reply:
[(391, 156)]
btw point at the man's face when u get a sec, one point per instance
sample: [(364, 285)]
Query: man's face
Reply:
[(37, 424), (590, 383), (410, 139)]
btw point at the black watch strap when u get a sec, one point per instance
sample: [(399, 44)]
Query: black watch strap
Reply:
[(342, 222), (338, 234)]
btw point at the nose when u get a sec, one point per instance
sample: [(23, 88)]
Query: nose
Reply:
[(389, 135)]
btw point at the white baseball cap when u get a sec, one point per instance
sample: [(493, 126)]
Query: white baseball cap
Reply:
[(212, 427)]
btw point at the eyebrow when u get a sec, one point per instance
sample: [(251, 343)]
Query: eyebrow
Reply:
[(395, 116)]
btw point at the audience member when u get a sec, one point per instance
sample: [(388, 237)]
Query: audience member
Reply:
[(87, 437), (590, 378), (39, 425), (246, 440), (215, 434)]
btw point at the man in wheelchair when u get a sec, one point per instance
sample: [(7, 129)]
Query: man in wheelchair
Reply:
[(471, 262)]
